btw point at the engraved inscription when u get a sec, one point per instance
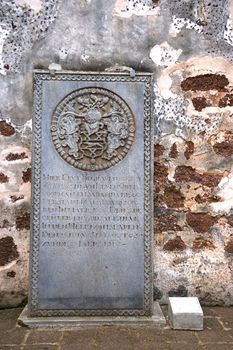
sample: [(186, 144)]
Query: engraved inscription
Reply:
[(92, 129), (74, 214)]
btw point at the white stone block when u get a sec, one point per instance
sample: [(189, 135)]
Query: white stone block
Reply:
[(185, 313)]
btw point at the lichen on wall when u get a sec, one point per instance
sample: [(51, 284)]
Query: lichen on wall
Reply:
[(127, 8), (15, 207), (22, 23)]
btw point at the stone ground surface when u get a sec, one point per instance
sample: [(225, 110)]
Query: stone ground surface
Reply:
[(217, 335)]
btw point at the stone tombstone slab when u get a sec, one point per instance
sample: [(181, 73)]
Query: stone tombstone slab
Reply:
[(92, 195)]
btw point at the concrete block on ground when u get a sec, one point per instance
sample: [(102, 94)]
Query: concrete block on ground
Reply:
[(185, 313)]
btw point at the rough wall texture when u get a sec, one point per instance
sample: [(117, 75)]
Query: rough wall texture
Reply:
[(188, 46)]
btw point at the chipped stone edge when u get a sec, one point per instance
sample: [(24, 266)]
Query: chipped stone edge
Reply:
[(74, 322)]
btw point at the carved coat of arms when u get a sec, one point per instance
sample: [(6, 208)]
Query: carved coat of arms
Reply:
[(92, 129)]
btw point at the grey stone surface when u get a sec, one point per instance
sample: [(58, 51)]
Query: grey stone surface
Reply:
[(185, 313), (157, 318), (92, 202)]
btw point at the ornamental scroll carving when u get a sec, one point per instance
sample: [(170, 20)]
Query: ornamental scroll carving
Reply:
[(93, 129)]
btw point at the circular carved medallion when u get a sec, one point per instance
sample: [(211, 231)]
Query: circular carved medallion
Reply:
[(92, 129)]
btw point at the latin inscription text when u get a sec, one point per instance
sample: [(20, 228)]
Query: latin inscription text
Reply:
[(90, 211)]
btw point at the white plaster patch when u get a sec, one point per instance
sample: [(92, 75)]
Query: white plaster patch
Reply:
[(228, 33), (85, 58), (26, 133), (127, 8), (28, 124), (164, 86), (225, 192), (171, 172), (3, 35), (164, 54), (36, 5), (55, 66), (178, 23), (63, 53)]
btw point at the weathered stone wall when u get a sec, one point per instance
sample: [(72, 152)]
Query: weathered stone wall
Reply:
[(188, 46)]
